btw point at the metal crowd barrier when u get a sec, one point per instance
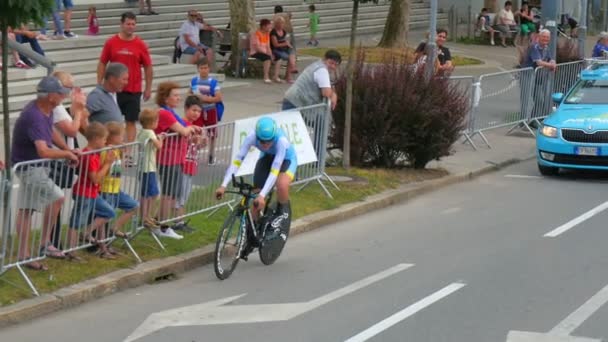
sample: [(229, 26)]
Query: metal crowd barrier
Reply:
[(564, 77), (45, 193), (503, 100), (317, 119), (519, 97), (190, 169), (45, 198), (466, 85), (4, 209)]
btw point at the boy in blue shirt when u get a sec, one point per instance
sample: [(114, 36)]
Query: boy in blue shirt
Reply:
[(209, 92)]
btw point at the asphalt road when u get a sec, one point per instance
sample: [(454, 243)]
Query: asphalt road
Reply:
[(468, 263)]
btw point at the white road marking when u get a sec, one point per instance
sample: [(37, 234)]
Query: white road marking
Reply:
[(575, 319), (405, 313), (562, 331), (217, 312), (571, 224), (523, 177)]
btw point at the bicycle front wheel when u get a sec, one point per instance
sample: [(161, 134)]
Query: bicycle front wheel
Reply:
[(230, 242)]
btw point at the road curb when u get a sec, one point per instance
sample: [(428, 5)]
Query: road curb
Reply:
[(152, 270)]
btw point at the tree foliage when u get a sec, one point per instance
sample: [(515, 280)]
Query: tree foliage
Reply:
[(14, 13), (400, 117)]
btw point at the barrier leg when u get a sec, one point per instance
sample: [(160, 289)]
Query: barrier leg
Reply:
[(483, 138), (324, 188), (128, 244), (28, 281), (467, 139), (522, 125), (160, 244), (130, 247), (303, 186), (331, 181)]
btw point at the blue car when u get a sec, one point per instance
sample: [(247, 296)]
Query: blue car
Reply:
[(575, 136)]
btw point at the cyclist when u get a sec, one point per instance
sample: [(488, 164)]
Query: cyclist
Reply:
[(277, 164)]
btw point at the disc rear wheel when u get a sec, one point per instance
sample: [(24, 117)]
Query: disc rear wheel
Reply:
[(274, 239)]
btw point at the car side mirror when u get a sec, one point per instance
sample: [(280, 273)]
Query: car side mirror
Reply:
[(557, 97)]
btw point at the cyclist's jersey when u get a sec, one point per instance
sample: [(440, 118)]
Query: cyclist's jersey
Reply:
[(282, 150)]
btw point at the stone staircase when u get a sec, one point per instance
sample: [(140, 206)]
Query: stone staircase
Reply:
[(79, 56)]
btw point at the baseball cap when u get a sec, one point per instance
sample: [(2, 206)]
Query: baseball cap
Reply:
[(603, 34), (51, 84)]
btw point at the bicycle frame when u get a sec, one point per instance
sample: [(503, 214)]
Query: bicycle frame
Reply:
[(245, 204)]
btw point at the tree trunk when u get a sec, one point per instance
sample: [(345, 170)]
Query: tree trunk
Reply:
[(397, 25), (492, 5), (350, 67), (242, 20), (5, 109)]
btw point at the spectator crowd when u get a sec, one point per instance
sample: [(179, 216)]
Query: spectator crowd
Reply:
[(107, 119)]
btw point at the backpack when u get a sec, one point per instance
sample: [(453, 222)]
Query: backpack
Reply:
[(219, 106), (177, 51)]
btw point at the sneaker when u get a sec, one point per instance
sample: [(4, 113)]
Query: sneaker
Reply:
[(21, 65), (42, 37), (183, 227), (70, 34), (58, 36), (152, 13), (169, 233), (247, 249)]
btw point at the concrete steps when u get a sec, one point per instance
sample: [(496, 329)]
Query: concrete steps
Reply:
[(16, 103), (80, 55)]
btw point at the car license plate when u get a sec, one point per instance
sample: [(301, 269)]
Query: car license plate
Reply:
[(587, 151)]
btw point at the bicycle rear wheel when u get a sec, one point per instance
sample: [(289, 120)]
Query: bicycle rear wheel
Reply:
[(230, 242), (274, 242)]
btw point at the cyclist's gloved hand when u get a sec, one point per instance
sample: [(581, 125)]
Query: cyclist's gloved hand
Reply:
[(219, 193), (259, 202)]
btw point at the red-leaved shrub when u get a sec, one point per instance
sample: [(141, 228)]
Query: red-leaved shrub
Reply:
[(399, 117)]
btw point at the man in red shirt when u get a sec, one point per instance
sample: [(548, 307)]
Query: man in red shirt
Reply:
[(132, 51)]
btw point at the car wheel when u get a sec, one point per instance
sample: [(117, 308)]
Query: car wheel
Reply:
[(548, 170)]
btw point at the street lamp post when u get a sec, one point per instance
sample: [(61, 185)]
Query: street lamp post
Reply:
[(550, 14), (582, 30), (431, 46)]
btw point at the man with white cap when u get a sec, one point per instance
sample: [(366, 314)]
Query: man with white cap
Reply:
[(33, 140), (600, 50)]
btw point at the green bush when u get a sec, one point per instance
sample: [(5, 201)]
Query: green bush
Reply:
[(399, 118)]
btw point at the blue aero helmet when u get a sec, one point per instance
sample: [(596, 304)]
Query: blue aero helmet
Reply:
[(266, 129)]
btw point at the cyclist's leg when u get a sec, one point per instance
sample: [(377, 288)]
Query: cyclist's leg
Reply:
[(286, 176), (260, 174)]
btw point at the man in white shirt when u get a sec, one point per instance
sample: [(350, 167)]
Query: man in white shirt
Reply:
[(314, 83), (506, 23), (189, 38)]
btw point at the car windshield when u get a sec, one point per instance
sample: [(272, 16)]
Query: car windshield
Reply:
[(589, 92)]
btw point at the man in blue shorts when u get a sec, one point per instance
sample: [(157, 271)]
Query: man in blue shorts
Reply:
[(277, 164)]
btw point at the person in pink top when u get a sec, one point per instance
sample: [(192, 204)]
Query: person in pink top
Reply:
[(170, 158), (93, 22)]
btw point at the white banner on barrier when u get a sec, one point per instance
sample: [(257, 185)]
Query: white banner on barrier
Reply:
[(295, 130)]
